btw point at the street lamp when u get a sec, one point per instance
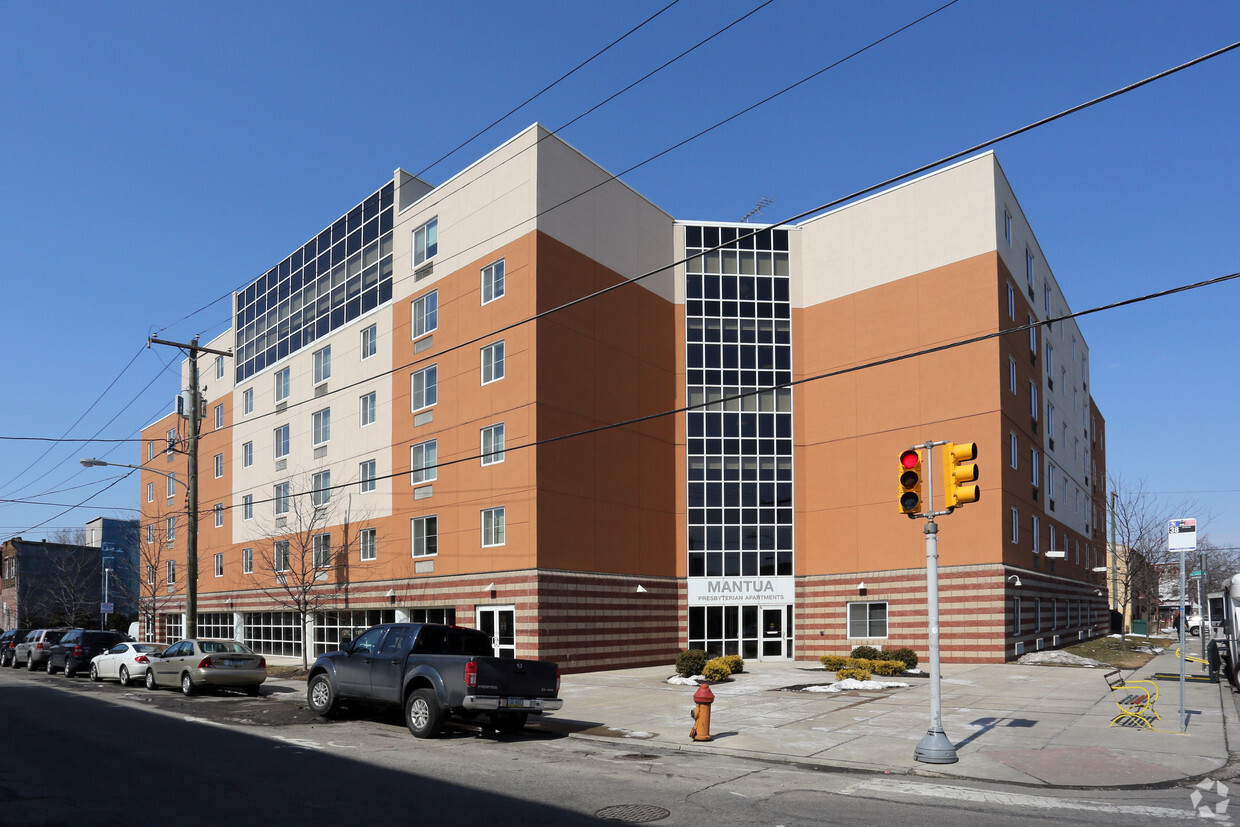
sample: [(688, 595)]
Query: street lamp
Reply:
[(191, 548)]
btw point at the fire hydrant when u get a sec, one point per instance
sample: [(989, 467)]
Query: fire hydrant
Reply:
[(702, 699)]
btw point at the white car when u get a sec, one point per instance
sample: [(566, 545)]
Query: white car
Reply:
[(124, 662), (1194, 624)]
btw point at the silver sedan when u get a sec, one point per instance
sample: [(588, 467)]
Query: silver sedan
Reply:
[(125, 662), (193, 664)]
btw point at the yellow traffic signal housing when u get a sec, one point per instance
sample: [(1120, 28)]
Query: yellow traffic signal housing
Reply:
[(910, 483), (958, 471)]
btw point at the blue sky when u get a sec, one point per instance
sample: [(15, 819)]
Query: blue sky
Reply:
[(156, 156)]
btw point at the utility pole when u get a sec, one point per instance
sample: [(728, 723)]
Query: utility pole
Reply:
[(195, 409)]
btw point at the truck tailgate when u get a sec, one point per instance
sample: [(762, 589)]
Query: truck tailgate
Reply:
[(518, 678)]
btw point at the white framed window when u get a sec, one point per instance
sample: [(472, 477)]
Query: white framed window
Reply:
[(247, 402), (867, 619), (281, 441), (493, 362), (1051, 540), (279, 555), (219, 417), (321, 426), (170, 572), (1011, 291), (1050, 359), (423, 459), (1046, 299), (425, 314), (170, 529), (1029, 266), (370, 341), (218, 512), (493, 526), (1015, 525), (247, 507), (1035, 465), (1033, 400), (1007, 226), (150, 575), (1037, 534), (493, 444), (1050, 479), (426, 241), (321, 488), (150, 492), (368, 544), (247, 454), (492, 281), (424, 388), (280, 495), (171, 438), (283, 386), (150, 532), (366, 475), (247, 561), (425, 534), (170, 485), (219, 564), (1033, 336), (1011, 374), (321, 548), (1013, 450), (1050, 420), (217, 465), (367, 406), (322, 365), (219, 367), (150, 450), (1037, 614)]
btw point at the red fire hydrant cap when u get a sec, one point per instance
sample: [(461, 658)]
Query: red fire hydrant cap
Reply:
[(704, 695)]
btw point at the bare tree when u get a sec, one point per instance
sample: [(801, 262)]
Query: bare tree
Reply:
[(144, 582), (307, 556), (71, 584), (68, 536)]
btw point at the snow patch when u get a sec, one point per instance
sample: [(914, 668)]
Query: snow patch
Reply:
[(853, 683), (1057, 658), (682, 681)]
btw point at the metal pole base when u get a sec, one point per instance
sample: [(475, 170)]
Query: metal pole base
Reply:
[(935, 749)]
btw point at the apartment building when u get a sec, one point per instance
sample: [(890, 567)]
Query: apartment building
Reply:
[(531, 401)]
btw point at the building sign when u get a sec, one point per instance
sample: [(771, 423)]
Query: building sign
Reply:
[(1182, 535), (720, 591)]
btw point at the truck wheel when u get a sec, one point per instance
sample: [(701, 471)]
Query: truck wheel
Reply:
[(422, 714), (509, 723), (320, 697), (51, 670), (70, 669)]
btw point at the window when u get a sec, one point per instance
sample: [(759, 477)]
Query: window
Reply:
[(424, 388), (1033, 336), (369, 544), (426, 241), (425, 314), (1035, 465), (321, 547), (1029, 266), (321, 426), (247, 401), (1050, 421), (1015, 525), (1033, 399), (150, 450), (281, 498), (150, 575), (423, 459), (492, 281), (1051, 544), (279, 555), (1011, 374), (171, 438), (425, 533), (150, 492), (1046, 299), (322, 365), (247, 561), (1013, 447), (1037, 535), (170, 485), (170, 529), (321, 490), (1050, 360), (281, 441), (493, 362), (150, 532), (493, 526), (1007, 225), (283, 384), (867, 619), (218, 511), (366, 474), (1050, 479), (219, 367), (217, 464), (370, 341), (219, 564), (1037, 614), (219, 417), (170, 572), (1011, 302), (247, 454), (493, 444), (1016, 616), (368, 409), (247, 507)]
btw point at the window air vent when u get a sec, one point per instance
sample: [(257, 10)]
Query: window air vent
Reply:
[(1035, 493), (1020, 648), (423, 272), (1050, 383), (1052, 443), (1052, 504), (1041, 643), (1034, 426)]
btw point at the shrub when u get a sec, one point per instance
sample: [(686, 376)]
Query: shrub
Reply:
[(887, 667), (735, 663), (905, 655), (716, 669), (833, 662), (854, 673), (867, 652), (690, 662)]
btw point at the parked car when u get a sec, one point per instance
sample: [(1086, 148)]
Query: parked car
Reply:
[(74, 651), (126, 662), (33, 650), (193, 664), (8, 642), (1194, 624)]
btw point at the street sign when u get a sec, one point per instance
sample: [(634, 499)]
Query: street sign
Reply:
[(106, 608), (1196, 574), (1182, 535)]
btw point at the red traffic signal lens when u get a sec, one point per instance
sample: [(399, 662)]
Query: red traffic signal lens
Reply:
[(910, 459)]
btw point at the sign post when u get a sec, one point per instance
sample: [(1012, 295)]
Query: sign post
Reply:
[(1182, 537)]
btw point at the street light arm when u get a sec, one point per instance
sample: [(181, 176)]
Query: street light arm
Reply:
[(90, 462)]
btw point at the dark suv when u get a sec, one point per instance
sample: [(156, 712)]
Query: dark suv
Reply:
[(74, 651), (8, 643)]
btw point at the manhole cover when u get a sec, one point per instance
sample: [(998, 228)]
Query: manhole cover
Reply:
[(633, 813)]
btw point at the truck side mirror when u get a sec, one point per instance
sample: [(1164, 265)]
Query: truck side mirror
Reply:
[(346, 644)]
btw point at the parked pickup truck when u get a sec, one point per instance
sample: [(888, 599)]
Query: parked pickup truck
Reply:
[(433, 671)]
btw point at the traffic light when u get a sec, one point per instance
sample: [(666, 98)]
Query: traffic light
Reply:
[(910, 483), (959, 469)]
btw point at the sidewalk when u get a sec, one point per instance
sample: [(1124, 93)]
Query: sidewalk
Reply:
[(1037, 725)]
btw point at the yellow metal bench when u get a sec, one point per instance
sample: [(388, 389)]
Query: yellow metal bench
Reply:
[(1135, 700)]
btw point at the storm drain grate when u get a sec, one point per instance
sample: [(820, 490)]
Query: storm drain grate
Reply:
[(633, 813)]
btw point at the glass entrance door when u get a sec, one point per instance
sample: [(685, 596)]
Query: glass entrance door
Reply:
[(773, 632), (500, 622)]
